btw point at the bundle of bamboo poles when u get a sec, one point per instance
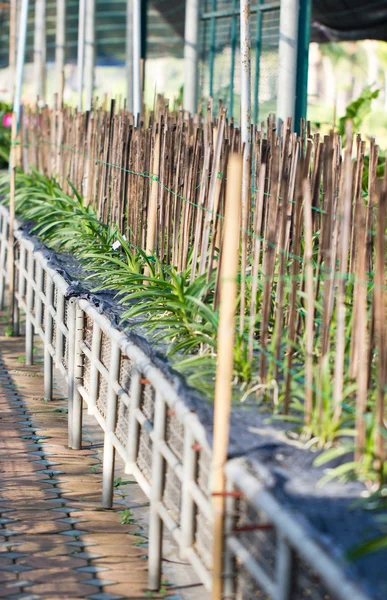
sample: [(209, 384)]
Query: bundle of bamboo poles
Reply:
[(312, 262)]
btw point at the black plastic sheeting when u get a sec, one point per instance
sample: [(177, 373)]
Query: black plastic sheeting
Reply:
[(331, 514), (341, 20)]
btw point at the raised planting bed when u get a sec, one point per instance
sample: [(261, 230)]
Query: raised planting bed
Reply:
[(285, 536)]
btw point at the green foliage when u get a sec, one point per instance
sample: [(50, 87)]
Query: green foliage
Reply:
[(178, 314), (379, 170), (372, 545), (126, 517), (5, 136), (118, 482), (358, 110)]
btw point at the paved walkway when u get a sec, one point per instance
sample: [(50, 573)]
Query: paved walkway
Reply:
[(55, 540)]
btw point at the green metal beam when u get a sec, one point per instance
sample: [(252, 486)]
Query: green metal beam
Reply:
[(220, 14), (304, 26)]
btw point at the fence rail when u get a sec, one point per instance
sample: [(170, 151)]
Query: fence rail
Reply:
[(163, 445)]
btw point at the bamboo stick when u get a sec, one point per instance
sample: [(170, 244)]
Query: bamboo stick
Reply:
[(343, 265), (308, 256), (224, 370), (380, 426)]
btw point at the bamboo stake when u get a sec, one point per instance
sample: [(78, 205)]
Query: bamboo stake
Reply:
[(360, 356), (258, 217), (152, 213), (224, 370), (380, 427), (209, 215), (292, 321), (343, 265), (308, 256)]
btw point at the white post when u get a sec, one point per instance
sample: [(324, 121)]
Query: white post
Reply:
[(40, 49), (129, 55), (12, 46), (81, 51), (60, 40), (245, 71), (287, 71), (137, 92), (21, 50), (191, 35), (89, 52)]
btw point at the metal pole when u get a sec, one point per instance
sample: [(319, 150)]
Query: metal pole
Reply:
[(49, 326), (304, 25), (212, 49), (129, 55), (40, 49), (191, 40), (109, 451), (60, 40), (287, 71), (158, 478), (89, 52), (245, 71), (77, 398), (233, 53), (137, 95), (81, 51), (21, 50), (29, 338), (12, 46), (258, 40)]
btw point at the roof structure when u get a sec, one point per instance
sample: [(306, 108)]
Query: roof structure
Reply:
[(332, 20), (340, 20)]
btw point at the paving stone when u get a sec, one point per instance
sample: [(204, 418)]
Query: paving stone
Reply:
[(12, 555), (99, 582), (16, 568), (123, 589), (8, 532), (24, 596), (54, 575), (70, 520), (134, 575), (105, 596), (93, 569), (7, 576), (50, 495), (7, 590), (79, 543), (73, 532), (45, 562), (87, 555)]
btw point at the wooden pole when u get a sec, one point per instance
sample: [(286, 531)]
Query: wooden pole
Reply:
[(308, 253), (343, 266), (380, 327), (224, 368), (152, 211)]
